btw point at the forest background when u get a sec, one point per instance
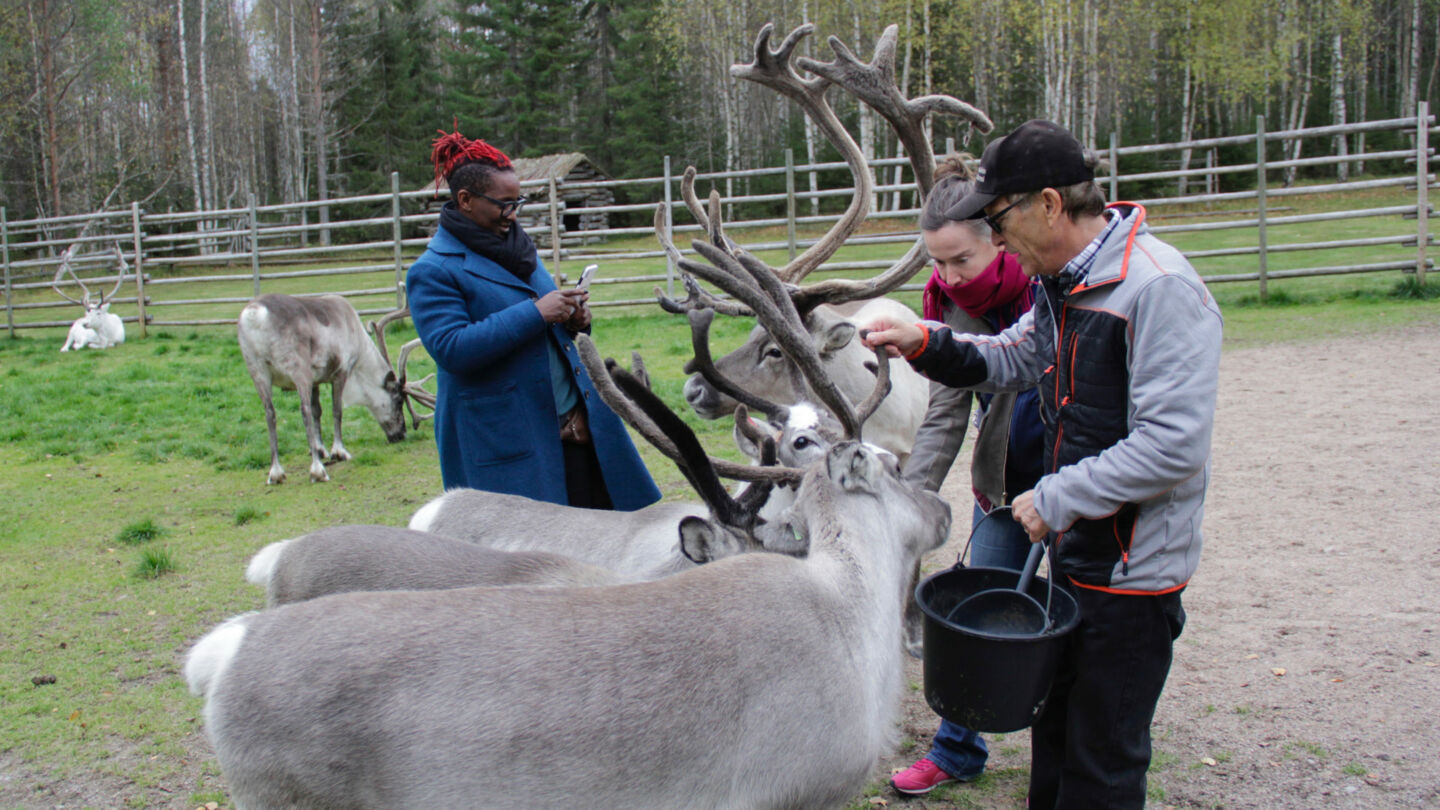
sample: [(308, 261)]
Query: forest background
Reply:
[(197, 104)]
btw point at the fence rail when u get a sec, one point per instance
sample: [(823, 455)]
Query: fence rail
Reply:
[(276, 242)]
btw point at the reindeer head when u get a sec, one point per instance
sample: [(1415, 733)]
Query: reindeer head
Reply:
[(95, 306), (401, 393)]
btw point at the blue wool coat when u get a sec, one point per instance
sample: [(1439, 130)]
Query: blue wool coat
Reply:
[(495, 420)]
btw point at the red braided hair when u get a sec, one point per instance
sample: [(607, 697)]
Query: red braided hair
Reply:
[(452, 150)]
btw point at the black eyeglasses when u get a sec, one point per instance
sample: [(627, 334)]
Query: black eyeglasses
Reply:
[(507, 207), (993, 220)]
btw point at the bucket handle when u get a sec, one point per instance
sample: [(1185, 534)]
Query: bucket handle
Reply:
[(1050, 581)]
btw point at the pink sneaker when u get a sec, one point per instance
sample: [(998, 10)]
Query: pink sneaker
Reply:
[(920, 778)]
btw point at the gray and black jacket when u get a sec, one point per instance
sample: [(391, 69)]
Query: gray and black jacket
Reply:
[(1127, 361)]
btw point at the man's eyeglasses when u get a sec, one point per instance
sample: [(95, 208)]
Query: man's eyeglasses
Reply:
[(507, 207), (993, 220)]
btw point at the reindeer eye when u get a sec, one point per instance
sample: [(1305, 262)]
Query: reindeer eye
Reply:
[(802, 442), (773, 352)]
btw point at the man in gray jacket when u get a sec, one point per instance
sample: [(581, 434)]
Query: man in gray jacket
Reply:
[(1125, 346)]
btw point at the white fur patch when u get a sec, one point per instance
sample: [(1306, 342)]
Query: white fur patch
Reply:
[(262, 565), (425, 516), (803, 416), (212, 654)]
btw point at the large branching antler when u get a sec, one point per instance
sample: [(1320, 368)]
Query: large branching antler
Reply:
[(646, 427), (872, 83), (65, 269), (414, 391)]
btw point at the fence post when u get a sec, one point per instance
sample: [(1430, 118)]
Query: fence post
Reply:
[(1260, 201), (790, 200), (5, 259), (395, 237), (669, 234), (1212, 182), (950, 145), (254, 244), (1422, 188), (135, 234), (554, 228), (1114, 166)]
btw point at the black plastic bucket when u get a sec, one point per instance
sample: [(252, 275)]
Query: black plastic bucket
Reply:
[(987, 682)]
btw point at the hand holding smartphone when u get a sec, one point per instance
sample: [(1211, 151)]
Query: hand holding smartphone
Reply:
[(586, 275)]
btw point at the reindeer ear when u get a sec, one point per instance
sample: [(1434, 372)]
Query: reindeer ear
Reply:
[(835, 337), (702, 542)]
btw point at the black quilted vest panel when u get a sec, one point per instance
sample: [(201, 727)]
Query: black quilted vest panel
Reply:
[(1086, 394)]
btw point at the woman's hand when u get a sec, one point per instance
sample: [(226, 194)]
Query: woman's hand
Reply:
[(580, 321), (899, 339), (562, 306)]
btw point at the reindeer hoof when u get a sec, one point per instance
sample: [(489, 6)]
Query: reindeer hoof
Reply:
[(275, 479)]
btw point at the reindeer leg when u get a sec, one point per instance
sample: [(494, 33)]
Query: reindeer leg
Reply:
[(263, 386), (309, 404), (337, 389)]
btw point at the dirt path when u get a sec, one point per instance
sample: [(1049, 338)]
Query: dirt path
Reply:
[(1309, 671)]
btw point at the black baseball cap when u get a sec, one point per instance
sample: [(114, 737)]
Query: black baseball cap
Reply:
[(1035, 155)]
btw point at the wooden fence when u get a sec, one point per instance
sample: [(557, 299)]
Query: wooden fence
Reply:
[(237, 251)]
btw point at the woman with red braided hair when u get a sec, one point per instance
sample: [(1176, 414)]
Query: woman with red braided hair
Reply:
[(516, 412)]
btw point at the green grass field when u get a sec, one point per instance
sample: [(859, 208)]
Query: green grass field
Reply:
[(132, 492)]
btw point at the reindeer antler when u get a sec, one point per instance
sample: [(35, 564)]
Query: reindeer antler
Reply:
[(123, 269), (413, 391), (626, 409), (65, 258)]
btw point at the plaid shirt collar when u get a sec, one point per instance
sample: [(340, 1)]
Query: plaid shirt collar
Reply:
[(1077, 270)]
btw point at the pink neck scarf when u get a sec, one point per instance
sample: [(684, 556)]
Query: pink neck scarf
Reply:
[(997, 285)]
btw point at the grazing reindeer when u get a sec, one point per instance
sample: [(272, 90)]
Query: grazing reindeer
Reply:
[(758, 681), (827, 310), (98, 327), (299, 343)]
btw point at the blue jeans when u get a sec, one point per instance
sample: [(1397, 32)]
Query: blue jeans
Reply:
[(998, 542)]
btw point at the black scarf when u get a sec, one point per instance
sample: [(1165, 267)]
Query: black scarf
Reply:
[(514, 251)]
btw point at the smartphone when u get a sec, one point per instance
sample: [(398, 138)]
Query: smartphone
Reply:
[(585, 276)]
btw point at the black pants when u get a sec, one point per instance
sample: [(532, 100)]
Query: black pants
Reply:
[(1090, 747), (583, 481)]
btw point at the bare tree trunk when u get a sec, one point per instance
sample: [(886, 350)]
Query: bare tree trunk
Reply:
[(1410, 81), (867, 116), (1337, 103), (1058, 60), (1362, 93), (899, 174), (322, 136), (810, 134), (1188, 93), (1090, 102), (207, 139), (300, 172), (195, 187), (1302, 62), (49, 99)]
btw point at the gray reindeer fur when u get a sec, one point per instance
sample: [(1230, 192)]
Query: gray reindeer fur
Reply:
[(758, 681), (341, 559), (639, 545)]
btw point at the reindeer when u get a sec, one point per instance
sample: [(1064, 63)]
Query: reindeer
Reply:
[(644, 544), (97, 327), (299, 343), (828, 311), (757, 681)]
